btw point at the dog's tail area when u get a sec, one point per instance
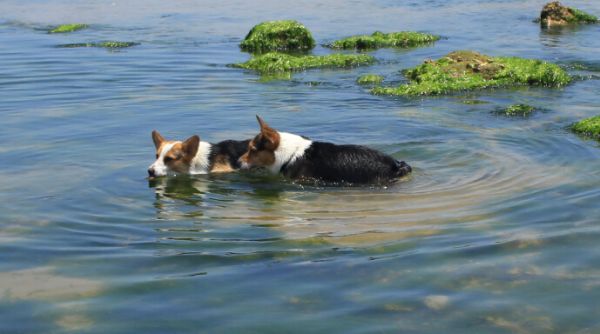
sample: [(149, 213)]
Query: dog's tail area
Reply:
[(402, 168)]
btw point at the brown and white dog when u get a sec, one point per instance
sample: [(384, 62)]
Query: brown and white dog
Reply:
[(300, 158), (193, 156)]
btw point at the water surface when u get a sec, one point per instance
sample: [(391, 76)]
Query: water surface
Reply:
[(495, 231)]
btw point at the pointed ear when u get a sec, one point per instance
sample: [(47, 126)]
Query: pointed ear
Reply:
[(157, 138), (268, 133), (190, 146)]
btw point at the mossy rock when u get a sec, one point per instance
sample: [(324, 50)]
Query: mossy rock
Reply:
[(105, 44), (285, 35), (402, 39), (555, 14), (369, 79), (468, 70), (274, 62), (64, 28), (517, 110), (589, 127)]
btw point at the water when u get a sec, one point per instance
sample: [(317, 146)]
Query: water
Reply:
[(495, 231)]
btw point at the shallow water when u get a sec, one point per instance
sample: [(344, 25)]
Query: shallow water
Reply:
[(495, 231)]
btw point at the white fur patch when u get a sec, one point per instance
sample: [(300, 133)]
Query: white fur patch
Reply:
[(291, 147), (201, 163), (159, 167)]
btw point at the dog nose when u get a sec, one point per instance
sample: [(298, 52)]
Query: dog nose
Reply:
[(151, 172)]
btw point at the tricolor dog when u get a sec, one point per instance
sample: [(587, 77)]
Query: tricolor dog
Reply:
[(300, 158), (193, 156)]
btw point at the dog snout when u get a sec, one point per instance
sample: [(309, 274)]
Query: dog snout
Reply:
[(151, 172)]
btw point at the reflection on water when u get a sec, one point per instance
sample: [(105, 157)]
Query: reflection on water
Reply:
[(495, 231)]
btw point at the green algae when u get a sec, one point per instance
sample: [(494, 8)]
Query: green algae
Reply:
[(468, 70), (65, 28), (369, 79), (275, 62), (589, 127), (522, 110), (287, 35), (105, 44), (555, 14), (378, 39)]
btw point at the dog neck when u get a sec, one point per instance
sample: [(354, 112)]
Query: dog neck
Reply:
[(291, 147), (201, 162)]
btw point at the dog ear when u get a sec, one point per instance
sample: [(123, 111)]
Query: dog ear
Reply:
[(268, 134), (190, 146), (157, 138)]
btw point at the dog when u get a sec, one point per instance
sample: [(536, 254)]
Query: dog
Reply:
[(193, 156), (300, 158)]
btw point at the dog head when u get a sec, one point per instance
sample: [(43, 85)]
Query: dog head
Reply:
[(261, 149), (173, 156)]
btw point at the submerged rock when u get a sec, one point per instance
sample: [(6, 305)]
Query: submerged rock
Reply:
[(369, 79), (468, 70), (279, 62), (555, 14), (589, 127), (378, 39), (106, 44), (64, 28), (286, 35), (522, 110)]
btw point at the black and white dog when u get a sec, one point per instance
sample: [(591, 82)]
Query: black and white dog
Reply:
[(299, 158)]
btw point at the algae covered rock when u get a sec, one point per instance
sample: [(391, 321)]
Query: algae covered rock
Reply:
[(64, 28), (522, 110), (369, 79), (280, 62), (555, 14), (378, 39), (467, 70), (589, 127), (105, 44), (287, 35)]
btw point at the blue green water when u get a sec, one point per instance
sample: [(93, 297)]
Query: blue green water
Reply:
[(496, 231)]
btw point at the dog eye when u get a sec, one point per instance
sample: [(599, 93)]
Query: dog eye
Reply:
[(167, 159)]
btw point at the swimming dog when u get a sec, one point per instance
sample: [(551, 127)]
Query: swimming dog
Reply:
[(300, 158), (193, 156)]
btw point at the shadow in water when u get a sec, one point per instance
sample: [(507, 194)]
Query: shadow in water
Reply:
[(552, 37)]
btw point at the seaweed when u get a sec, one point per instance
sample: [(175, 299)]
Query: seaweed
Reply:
[(378, 39), (287, 35), (555, 14), (105, 44), (589, 127), (468, 70), (64, 28), (369, 79), (521, 110), (280, 62)]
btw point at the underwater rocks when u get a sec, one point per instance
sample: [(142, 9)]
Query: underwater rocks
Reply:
[(369, 79), (522, 110), (555, 14), (105, 44), (287, 35), (378, 39), (279, 62), (468, 70), (589, 127), (64, 28)]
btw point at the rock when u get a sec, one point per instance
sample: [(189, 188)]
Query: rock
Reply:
[(369, 79), (555, 14), (589, 127), (521, 110), (468, 70), (278, 36), (402, 39), (274, 62), (105, 44), (64, 28)]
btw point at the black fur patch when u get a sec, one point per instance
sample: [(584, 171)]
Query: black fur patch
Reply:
[(232, 149), (345, 164)]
